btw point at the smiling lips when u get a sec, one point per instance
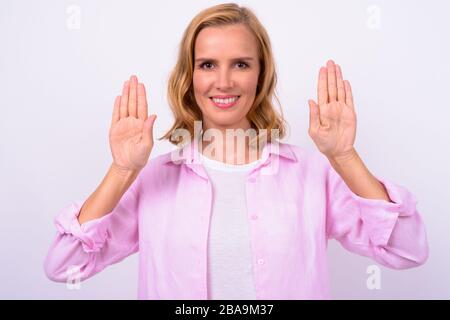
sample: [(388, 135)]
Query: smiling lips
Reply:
[(228, 102)]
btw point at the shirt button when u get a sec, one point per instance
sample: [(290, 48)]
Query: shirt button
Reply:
[(261, 261), (254, 217)]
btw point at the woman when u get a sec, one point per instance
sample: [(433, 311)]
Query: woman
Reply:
[(255, 223)]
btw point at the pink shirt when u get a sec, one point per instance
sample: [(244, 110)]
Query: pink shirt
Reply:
[(295, 201)]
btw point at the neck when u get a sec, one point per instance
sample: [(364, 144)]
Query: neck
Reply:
[(231, 148)]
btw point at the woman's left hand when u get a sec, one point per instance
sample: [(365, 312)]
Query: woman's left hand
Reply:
[(332, 122)]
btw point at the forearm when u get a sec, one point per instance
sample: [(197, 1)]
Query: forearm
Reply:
[(358, 178), (105, 198)]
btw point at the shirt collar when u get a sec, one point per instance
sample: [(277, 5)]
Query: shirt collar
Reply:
[(189, 153)]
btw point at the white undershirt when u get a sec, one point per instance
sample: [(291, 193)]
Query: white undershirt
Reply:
[(230, 274)]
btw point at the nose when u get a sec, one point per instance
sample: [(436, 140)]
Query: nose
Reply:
[(224, 79)]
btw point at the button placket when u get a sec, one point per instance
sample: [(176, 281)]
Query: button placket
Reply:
[(252, 179), (251, 207)]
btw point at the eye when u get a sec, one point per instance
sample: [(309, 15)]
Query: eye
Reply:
[(243, 63), (202, 66)]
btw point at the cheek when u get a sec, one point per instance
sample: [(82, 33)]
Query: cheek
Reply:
[(200, 83), (246, 83), (249, 83)]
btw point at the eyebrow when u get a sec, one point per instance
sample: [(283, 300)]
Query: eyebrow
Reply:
[(214, 60)]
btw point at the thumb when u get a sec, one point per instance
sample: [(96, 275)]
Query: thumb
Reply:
[(314, 118), (148, 129)]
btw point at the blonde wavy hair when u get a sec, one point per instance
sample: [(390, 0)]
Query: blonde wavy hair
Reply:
[(180, 94)]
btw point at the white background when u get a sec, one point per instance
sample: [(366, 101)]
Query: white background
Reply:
[(58, 82)]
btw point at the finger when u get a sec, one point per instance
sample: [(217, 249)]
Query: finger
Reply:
[(116, 111), (322, 91), (124, 100), (348, 94), (132, 99), (340, 84), (142, 102), (148, 130), (332, 89), (314, 115)]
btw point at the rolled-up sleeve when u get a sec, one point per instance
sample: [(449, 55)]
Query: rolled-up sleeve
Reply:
[(95, 244), (391, 233)]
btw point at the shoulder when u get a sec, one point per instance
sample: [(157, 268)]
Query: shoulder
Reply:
[(159, 169), (305, 156), (311, 165)]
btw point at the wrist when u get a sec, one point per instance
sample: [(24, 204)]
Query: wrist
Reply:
[(344, 160), (123, 173)]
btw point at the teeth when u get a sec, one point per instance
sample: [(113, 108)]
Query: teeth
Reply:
[(225, 101)]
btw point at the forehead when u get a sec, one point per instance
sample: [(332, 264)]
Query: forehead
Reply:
[(234, 40)]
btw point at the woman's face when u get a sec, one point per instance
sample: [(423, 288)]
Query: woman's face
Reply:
[(226, 64)]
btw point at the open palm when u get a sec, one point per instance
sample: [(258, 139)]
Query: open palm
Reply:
[(333, 120), (131, 133)]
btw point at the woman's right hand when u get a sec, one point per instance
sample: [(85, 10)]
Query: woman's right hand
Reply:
[(131, 133)]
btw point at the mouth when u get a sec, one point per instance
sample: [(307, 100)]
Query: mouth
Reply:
[(225, 103)]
